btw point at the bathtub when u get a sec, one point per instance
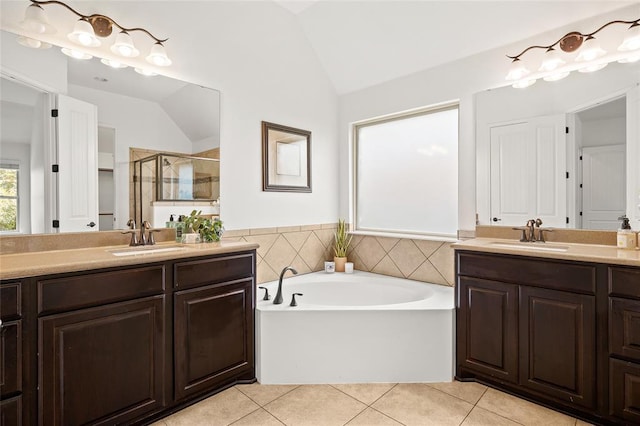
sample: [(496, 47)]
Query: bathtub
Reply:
[(355, 328)]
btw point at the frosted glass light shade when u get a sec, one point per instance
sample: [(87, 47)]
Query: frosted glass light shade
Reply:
[(590, 50), (123, 46), (557, 76), (551, 61), (158, 56), (593, 67), (83, 34), (523, 84), (630, 59), (517, 70), (112, 63), (32, 43), (632, 40), (36, 21), (76, 54), (144, 72)]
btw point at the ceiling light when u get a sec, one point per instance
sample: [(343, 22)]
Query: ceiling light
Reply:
[(557, 76), (112, 63), (124, 46), (76, 54), (590, 50), (32, 43), (146, 73), (36, 21), (158, 56), (517, 70), (83, 34), (593, 67), (632, 40), (523, 84), (87, 30), (551, 61)]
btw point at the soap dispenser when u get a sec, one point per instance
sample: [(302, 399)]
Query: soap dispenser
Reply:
[(626, 237)]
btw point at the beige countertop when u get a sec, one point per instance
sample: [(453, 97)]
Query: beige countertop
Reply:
[(21, 265), (555, 250)]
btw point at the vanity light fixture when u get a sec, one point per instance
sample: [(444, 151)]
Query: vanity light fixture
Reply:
[(112, 63), (144, 72), (76, 54), (89, 27), (32, 43), (589, 56)]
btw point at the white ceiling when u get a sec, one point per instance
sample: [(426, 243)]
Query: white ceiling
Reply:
[(358, 43)]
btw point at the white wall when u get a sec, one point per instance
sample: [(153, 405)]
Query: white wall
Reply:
[(610, 131), (137, 123)]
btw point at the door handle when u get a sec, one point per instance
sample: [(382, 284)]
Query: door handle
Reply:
[(495, 219), (91, 224)]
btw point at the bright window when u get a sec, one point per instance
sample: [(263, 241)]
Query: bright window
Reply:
[(406, 173), (9, 198)]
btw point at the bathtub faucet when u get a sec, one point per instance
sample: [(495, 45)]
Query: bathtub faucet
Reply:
[(278, 299)]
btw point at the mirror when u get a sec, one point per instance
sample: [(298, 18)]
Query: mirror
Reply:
[(570, 133), (286, 158), (137, 116)]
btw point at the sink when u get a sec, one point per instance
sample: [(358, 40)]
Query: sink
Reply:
[(145, 250), (532, 246)]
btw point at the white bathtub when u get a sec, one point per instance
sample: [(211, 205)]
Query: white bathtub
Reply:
[(355, 328)]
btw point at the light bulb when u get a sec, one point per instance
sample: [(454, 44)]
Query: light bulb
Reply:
[(113, 64), (123, 46), (551, 61), (32, 43), (36, 21), (76, 54), (590, 50), (83, 34), (517, 70), (158, 56), (632, 40)]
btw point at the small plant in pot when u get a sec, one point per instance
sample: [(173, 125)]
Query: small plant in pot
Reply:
[(210, 230), (342, 241)]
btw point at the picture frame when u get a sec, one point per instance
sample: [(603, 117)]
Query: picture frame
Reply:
[(286, 158)]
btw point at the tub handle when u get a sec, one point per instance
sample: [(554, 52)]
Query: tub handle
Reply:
[(266, 293), (293, 299)]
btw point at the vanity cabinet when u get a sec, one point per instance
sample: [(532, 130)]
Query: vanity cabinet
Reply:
[(528, 324), (11, 325)]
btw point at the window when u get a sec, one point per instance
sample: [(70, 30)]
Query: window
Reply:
[(9, 198), (406, 173)]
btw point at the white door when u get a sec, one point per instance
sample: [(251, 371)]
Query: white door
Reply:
[(78, 165), (603, 186), (528, 172)]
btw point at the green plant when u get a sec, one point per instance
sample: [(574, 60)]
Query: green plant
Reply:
[(209, 229), (342, 239)]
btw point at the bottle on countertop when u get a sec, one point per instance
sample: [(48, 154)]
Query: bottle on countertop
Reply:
[(179, 228), (626, 236)]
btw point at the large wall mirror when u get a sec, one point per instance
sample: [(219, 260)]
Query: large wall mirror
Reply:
[(564, 151), (137, 116)]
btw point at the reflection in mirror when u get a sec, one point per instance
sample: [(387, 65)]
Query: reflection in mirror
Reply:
[(137, 116), (559, 151)]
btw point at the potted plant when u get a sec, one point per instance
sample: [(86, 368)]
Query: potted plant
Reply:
[(210, 230), (342, 241)]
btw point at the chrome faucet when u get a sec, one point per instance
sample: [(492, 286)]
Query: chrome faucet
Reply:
[(532, 231), (529, 231), (278, 299), (143, 237), (132, 230)]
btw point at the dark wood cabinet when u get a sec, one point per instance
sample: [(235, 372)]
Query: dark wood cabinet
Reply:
[(211, 328), (11, 411), (11, 354), (487, 328), (624, 391)]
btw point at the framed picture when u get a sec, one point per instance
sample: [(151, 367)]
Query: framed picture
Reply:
[(286, 158)]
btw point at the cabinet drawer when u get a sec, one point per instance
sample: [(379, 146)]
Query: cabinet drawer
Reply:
[(11, 411), (624, 328), (574, 277), (10, 358), (624, 390), (209, 271), (10, 301), (624, 282), (68, 293)]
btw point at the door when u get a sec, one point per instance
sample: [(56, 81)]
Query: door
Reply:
[(77, 165), (102, 365), (487, 324), (557, 345), (528, 172), (213, 336), (603, 186)]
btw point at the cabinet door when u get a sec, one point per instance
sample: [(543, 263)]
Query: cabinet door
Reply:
[(624, 392), (557, 345), (102, 365), (11, 411), (487, 326), (10, 358), (213, 336)]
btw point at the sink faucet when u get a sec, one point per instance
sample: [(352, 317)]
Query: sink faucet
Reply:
[(143, 237), (531, 225), (278, 299), (132, 230)]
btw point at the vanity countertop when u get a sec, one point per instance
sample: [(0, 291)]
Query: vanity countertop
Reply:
[(21, 265), (555, 250)]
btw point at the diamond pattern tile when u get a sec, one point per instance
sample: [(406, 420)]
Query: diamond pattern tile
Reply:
[(387, 267), (370, 252), (312, 251), (280, 255), (407, 256)]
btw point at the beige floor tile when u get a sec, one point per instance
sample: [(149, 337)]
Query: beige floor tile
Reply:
[(315, 405), (468, 391), (221, 409), (258, 418), (371, 417), (264, 394), (420, 404), (367, 392), (481, 417), (522, 411)]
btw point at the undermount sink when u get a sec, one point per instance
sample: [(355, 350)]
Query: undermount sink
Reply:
[(532, 246), (144, 250)]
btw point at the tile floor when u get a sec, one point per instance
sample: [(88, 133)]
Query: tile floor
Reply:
[(366, 404)]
